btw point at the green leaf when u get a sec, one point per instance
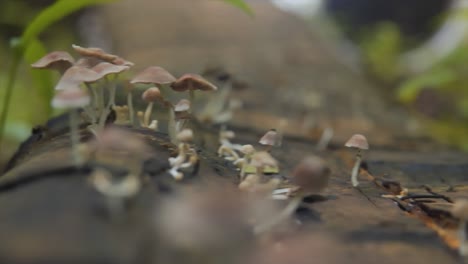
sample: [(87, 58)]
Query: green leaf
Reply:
[(42, 79), (53, 13), (410, 89), (242, 5)]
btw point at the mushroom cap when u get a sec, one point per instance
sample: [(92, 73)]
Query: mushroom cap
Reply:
[(59, 60), (94, 52), (311, 174), (154, 74), (191, 81), (186, 135), (269, 138), (460, 209), (227, 134), (357, 141), (182, 106), (106, 68), (247, 149), (151, 94), (71, 98), (262, 159), (76, 75)]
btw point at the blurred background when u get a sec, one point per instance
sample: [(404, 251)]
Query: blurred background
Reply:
[(387, 68)]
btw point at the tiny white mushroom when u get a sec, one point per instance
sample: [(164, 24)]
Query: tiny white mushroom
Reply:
[(359, 142)]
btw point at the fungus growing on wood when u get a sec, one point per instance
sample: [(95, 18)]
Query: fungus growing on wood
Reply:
[(151, 95), (311, 176), (72, 99), (358, 142), (56, 60), (185, 151)]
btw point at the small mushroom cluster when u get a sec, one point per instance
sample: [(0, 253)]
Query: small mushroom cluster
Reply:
[(187, 156), (88, 87)]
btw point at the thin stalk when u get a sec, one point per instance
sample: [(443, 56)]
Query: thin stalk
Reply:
[(283, 215), (355, 171), (131, 112), (147, 116), (75, 137)]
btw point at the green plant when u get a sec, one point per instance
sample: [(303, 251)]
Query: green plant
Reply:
[(242, 5), (30, 48)]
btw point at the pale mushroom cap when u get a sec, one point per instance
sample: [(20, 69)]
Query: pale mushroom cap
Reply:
[(76, 75), (185, 135), (154, 74), (269, 138), (60, 60), (262, 158), (247, 149), (191, 81), (460, 209), (151, 95), (357, 141), (94, 52), (182, 106), (106, 68), (71, 98), (311, 174), (227, 134)]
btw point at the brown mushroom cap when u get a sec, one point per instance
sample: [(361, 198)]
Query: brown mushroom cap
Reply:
[(76, 75), (269, 138), (155, 75), (182, 106), (106, 68), (460, 209), (151, 94), (185, 135), (101, 55), (57, 60), (262, 159), (192, 82), (71, 98), (247, 149), (357, 141), (311, 174)]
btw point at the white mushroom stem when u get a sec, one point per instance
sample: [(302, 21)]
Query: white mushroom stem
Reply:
[(147, 115), (228, 153), (283, 215), (153, 125), (75, 137), (325, 139), (174, 172), (140, 118), (94, 97), (131, 112), (172, 126), (181, 157), (355, 171), (463, 245)]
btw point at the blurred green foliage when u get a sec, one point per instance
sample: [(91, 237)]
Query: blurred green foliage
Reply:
[(242, 5), (438, 96)]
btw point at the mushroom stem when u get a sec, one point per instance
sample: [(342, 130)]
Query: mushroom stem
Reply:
[(192, 95), (131, 112), (283, 215), (75, 137), (94, 100), (146, 118), (172, 127), (463, 245), (355, 171), (140, 118)]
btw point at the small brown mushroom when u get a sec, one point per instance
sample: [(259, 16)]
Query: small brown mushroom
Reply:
[(181, 111), (260, 160), (72, 99), (269, 139), (154, 75), (76, 75), (191, 82), (150, 96), (359, 142), (56, 60), (101, 55)]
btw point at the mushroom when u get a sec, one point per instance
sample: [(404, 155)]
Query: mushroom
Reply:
[(269, 139), (248, 150), (154, 75), (72, 99), (311, 176), (359, 142), (57, 60), (128, 87), (260, 160), (150, 96), (104, 69), (185, 136), (181, 111), (460, 210), (101, 55), (116, 192), (191, 82)]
